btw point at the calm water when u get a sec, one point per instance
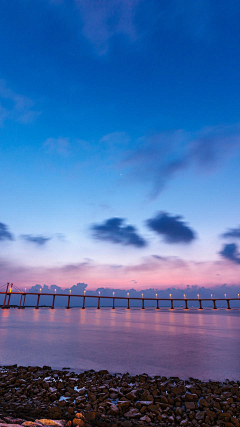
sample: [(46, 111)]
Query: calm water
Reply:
[(202, 344)]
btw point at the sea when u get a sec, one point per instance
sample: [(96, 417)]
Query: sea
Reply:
[(202, 344)]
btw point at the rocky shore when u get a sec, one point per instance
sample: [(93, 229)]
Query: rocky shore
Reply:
[(41, 396)]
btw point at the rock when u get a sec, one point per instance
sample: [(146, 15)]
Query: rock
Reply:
[(200, 415), (123, 404), (113, 410), (146, 419), (190, 405), (78, 422), (8, 425), (191, 397), (131, 395), (90, 416), (132, 413), (145, 402), (225, 416), (184, 422), (31, 424), (55, 423)]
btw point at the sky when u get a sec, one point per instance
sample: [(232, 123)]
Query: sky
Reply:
[(119, 143)]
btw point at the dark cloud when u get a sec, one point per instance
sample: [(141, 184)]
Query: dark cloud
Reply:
[(4, 233), (159, 158), (38, 240), (172, 228), (230, 252), (232, 233), (114, 230)]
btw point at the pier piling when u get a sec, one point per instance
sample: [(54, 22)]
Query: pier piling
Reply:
[(53, 301), (83, 305), (143, 304), (200, 304), (228, 304), (128, 307), (68, 306), (5, 298), (23, 306), (214, 304), (186, 304), (37, 306), (98, 303), (157, 305), (172, 308), (20, 303)]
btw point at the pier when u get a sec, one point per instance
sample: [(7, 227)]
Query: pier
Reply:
[(22, 299)]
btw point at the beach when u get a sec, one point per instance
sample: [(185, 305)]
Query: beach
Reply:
[(37, 396)]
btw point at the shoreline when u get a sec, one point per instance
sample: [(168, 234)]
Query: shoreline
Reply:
[(98, 398)]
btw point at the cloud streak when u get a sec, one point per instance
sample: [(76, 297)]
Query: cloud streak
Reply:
[(4, 233), (172, 228), (104, 19), (15, 107), (37, 240), (114, 230), (159, 158), (230, 252), (232, 233)]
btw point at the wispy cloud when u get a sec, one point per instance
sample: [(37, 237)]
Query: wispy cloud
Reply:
[(232, 233), (104, 19), (15, 107), (114, 230), (59, 145), (37, 240), (160, 157), (5, 233), (172, 228), (230, 252)]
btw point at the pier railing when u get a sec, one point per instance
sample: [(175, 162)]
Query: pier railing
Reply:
[(23, 295)]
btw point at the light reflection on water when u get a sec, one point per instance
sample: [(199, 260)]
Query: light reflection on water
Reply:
[(203, 344)]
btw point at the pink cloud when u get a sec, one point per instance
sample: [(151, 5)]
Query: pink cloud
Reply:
[(150, 272)]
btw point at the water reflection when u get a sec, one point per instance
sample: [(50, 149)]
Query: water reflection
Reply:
[(203, 343)]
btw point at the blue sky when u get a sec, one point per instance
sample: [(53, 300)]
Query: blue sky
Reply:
[(123, 109)]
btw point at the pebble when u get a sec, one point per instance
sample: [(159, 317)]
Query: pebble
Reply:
[(42, 397)]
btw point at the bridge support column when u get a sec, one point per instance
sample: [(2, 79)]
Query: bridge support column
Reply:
[(143, 304), (172, 308), (53, 301), (83, 304), (186, 306), (68, 306), (9, 297), (228, 304), (98, 303), (200, 304), (113, 304), (214, 304), (5, 298), (37, 302), (23, 306), (20, 301), (157, 305), (128, 307)]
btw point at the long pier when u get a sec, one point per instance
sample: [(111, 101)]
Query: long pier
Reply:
[(22, 301)]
